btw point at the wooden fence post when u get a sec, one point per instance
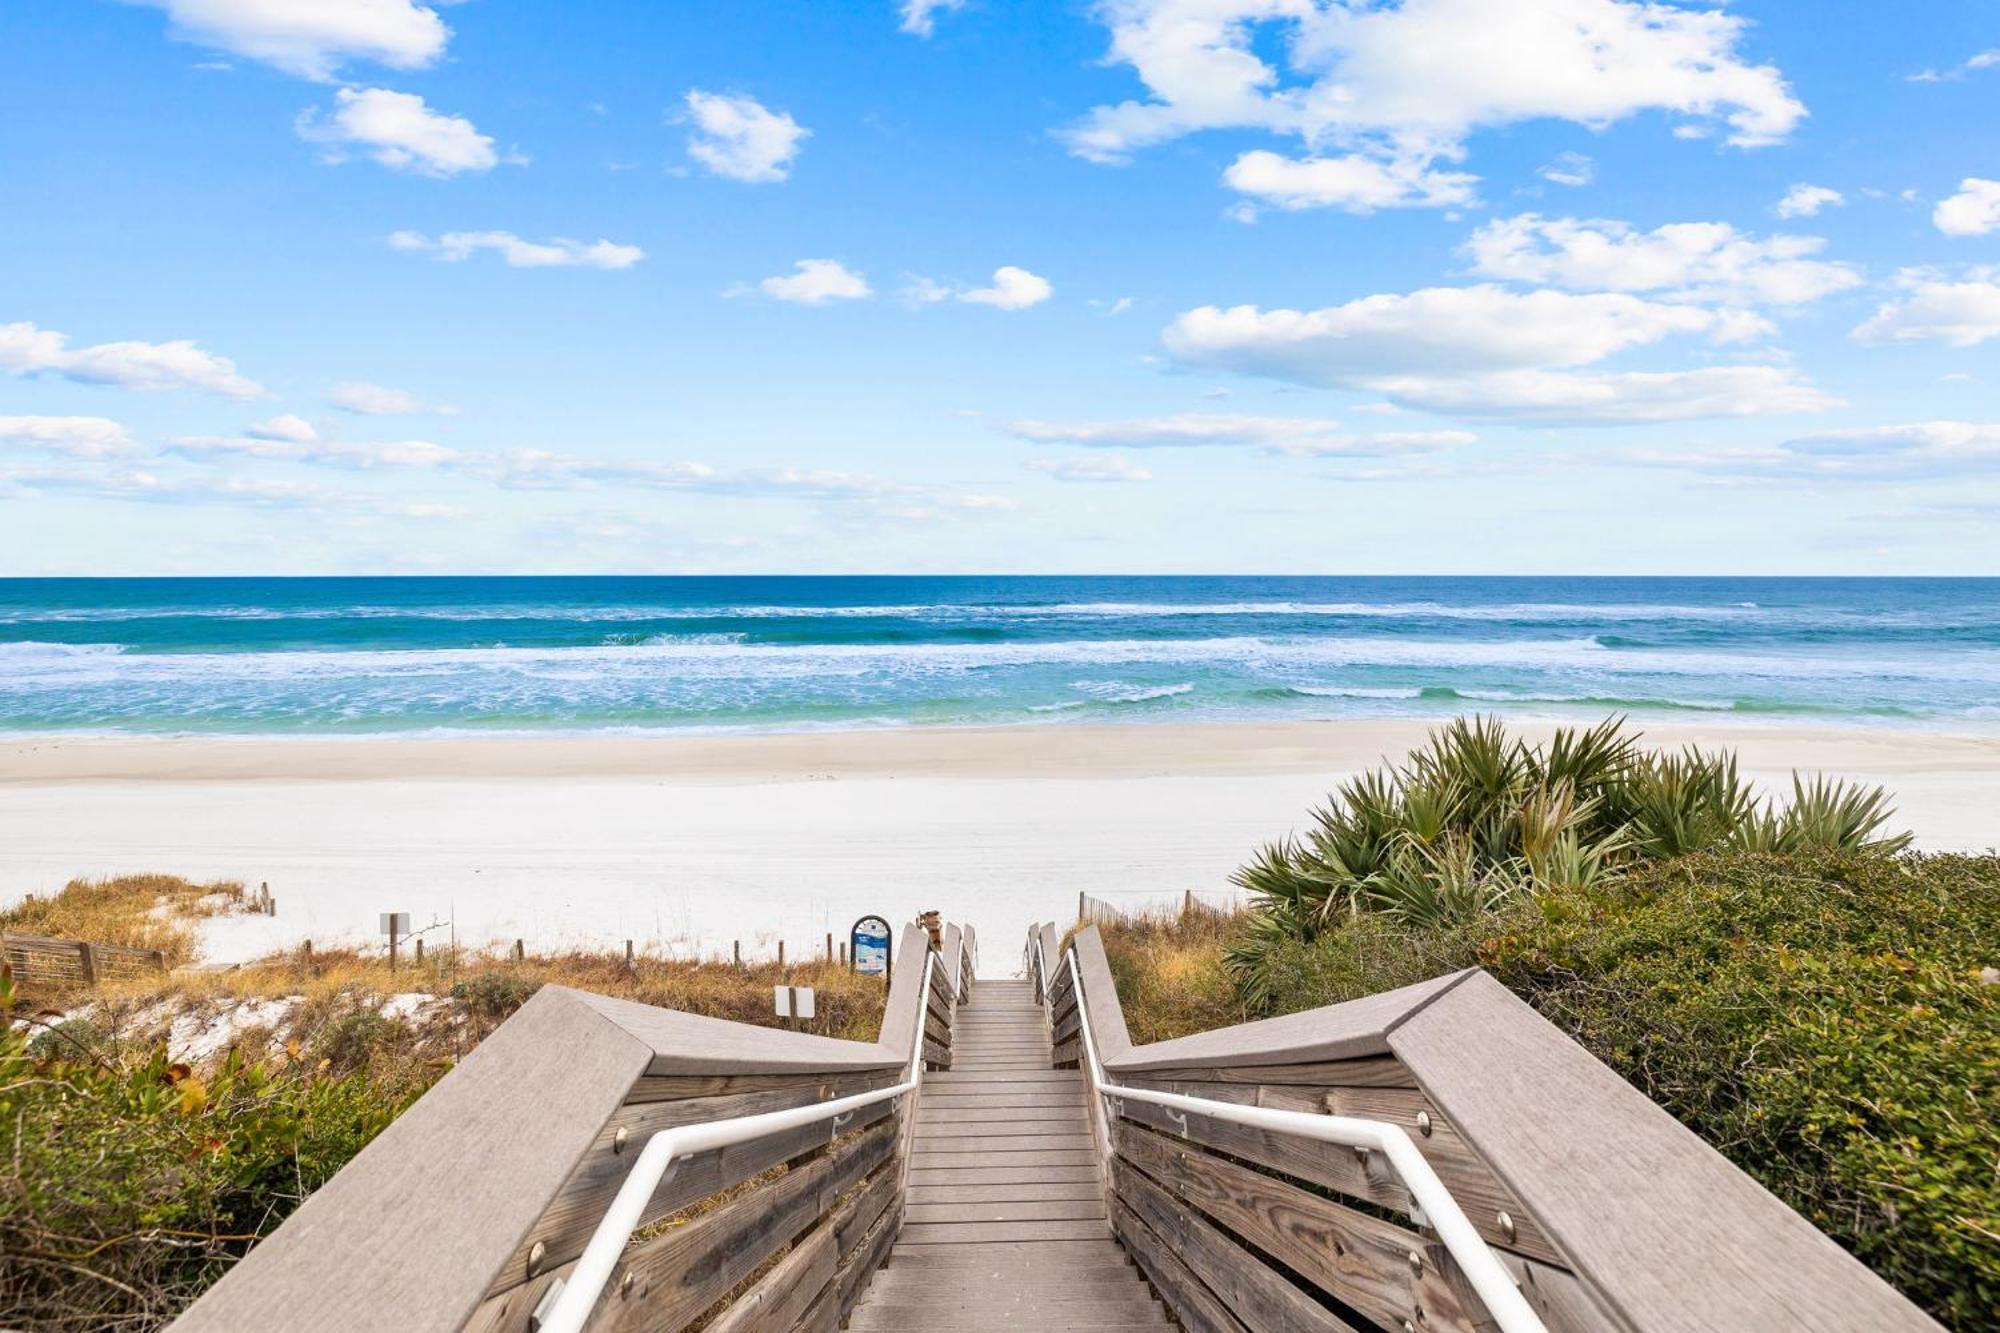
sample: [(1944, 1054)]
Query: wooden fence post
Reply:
[(420, 949), (628, 955), (736, 952), (86, 958), (520, 950)]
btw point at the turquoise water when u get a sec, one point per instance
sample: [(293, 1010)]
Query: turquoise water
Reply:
[(359, 656)]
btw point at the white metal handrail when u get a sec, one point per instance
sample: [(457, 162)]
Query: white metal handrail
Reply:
[(1482, 1268), (575, 1297)]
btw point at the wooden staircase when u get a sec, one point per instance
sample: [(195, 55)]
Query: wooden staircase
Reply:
[(1004, 1225)]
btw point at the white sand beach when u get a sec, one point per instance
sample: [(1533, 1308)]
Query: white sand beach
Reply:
[(685, 844)]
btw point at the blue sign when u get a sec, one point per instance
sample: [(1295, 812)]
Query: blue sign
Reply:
[(868, 946)]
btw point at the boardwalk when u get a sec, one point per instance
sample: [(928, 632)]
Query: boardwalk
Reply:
[(1005, 1225)]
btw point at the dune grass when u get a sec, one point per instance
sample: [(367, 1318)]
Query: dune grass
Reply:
[(137, 1177), (138, 911)]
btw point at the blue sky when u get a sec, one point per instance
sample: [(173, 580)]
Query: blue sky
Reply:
[(1297, 286)]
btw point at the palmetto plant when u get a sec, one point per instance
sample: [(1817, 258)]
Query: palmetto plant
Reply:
[(1477, 816)]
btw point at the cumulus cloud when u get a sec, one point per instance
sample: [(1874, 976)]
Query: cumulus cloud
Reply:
[(1012, 289), (1702, 261), (1351, 181), (1406, 85), (1112, 468), (557, 252), (375, 400), (26, 349), (739, 137), (815, 282), (1934, 307), (1804, 201), (1973, 211), (1569, 169), (76, 437), (312, 38), (1911, 451), (284, 426), (920, 16), (1437, 330), (1487, 352), (399, 131)]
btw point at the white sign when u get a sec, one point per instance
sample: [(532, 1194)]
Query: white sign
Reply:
[(395, 923), (792, 1001)]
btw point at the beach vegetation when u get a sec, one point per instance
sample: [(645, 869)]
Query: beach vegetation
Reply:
[(1827, 1019), (1479, 817)]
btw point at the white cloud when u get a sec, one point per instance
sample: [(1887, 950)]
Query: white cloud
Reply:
[(1867, 453), (375, 400), (1555, 398), (1186, 430), (77, 437), (399, 131), (556, 252), (1973, 211), (1408, 84), (312, 38), (396, 454), (1707, 261), (1353, 182), (1960, 314), (26, 349), (1437, 330), (1113, 468), (1013, 289), (1569, 169), (1377, 444), (1484, 352), (739, 137), (285, 426), (1296, 437), (920, 16), (817, 281), (1804, 201)]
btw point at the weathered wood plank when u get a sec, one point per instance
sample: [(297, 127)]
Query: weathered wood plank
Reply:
[(1257, 1295), (1193, 1305), (1667, 1234), (681, 1273), (964, 1233), (779, 1299), (1471, 1182), (1379, 1071), (1360, 1261), (1324, 1164), (565, 1225), (526, 1103)]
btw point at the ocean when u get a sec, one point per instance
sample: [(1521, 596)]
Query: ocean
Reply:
[(367, 656)]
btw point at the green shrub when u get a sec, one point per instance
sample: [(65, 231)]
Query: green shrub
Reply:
[(1830, 1023), (132, 1184), (1477, 818), (491, 998)]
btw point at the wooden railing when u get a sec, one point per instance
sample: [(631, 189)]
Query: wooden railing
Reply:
[(464, 1212), (38, 961), (1608, 1212)]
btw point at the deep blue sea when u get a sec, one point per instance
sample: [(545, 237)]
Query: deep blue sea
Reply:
[(374, 655)]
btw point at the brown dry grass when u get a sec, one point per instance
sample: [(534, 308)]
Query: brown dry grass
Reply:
[(138, 911), (1169, 972)]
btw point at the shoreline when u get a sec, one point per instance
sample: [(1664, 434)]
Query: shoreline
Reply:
[(1024, 750), (685, 844)]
